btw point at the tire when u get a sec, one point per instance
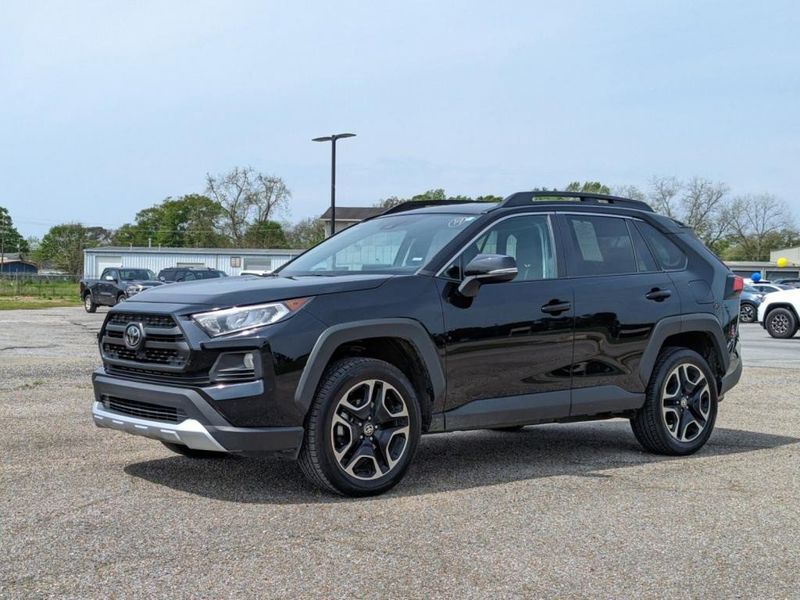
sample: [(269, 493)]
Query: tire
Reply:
[(680, 407), (88, 303), (747, 313), (192, 453), (375, 401), (781, 323), (510, 429), (121, 298)]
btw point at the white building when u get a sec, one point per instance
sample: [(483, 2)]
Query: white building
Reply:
[(230, 260)]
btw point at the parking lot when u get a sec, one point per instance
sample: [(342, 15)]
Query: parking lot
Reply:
[(573, 509)]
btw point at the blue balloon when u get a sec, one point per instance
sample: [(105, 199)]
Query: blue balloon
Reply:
[(756, 277)]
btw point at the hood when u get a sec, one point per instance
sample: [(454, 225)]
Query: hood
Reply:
[(792, 295), (235, 291)]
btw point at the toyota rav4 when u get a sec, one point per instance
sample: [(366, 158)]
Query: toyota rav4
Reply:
[(546, 307)]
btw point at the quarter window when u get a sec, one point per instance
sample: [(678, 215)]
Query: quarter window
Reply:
[(600, 246), (668, 255)]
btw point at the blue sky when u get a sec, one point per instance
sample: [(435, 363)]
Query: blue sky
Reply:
[(108, 107)]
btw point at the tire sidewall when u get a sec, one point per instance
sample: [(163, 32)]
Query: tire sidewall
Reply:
[(752, 317), (656, 389), (331, 393), (88, 303)]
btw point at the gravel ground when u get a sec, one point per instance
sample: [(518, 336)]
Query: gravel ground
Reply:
[(556, 510)]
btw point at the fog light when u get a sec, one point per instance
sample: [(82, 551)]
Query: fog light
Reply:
[(248, 361)]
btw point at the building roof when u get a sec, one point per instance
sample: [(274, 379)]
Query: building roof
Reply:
[(14, 258), (217, 251), (353, 213)]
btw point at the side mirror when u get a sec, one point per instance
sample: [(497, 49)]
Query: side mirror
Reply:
[(487, 268), (109, 278)]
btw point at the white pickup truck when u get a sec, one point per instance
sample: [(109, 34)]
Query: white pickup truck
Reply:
[(778, 313)]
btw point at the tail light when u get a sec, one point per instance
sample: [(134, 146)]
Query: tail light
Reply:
[(733, 286)]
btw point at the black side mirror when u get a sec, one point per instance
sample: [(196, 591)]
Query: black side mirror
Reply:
[(487, 268)]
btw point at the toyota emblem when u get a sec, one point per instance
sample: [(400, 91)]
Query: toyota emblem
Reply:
[(134, 336)]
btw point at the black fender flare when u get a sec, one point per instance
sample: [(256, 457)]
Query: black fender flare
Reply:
[(329, 340), (693, 322)]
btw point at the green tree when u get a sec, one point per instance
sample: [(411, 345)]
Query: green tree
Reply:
[(267, 234), (306, 233), (64, 244), (592, 187), (10, 238), (191, 221), (434, 195)]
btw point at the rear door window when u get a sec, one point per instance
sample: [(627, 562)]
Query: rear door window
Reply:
[(599, 246)]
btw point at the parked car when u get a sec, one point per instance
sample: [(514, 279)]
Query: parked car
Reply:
[(546, 307), (768, 288), (750, 300), (178, 274), (790, 282), (114, 286), (778, 313)]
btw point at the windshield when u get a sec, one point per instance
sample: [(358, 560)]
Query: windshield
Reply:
[(136, 274), (392, 244)]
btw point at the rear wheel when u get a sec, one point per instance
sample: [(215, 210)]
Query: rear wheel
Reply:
[(192, 453), (781, 323), (747, 312), (681, 404), (363, 428), (88, 303)]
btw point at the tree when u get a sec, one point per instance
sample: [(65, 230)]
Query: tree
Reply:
[(247, 198), (10, 238), (191, 221), (434, 195), (759, 223), (663, 191), (64, 244), (592, 187), (306, 233), (268, 234)]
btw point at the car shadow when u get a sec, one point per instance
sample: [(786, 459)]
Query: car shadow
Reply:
[(446, 462)]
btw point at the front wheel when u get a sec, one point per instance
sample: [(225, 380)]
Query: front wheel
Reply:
[(747, 312), (363, 428), (781, 323), (680, 406)]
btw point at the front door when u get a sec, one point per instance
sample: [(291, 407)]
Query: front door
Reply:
[(620, 294), (509, 349)]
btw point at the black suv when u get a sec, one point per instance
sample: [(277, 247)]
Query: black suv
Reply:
[(178, 274), (546, 307)]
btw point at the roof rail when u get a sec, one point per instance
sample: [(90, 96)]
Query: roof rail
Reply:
[(526, 198), (412, 204)]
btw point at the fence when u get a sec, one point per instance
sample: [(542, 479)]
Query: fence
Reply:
[(39, 286)]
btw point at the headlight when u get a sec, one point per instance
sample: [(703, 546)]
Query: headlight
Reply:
[(133, 289), (220, 322)]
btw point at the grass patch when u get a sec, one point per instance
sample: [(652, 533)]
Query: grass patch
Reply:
[(29, 302)]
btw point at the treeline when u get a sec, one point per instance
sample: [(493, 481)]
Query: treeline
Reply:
[(246, 209)]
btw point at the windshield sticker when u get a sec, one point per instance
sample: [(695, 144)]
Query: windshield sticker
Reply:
[(457, 222)]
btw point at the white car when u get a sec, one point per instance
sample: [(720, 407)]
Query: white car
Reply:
[(778, 313)]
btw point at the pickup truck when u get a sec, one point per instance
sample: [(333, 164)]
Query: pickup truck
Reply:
[(114, 286)]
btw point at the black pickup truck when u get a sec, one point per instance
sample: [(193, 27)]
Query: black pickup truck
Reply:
[(114, 286)]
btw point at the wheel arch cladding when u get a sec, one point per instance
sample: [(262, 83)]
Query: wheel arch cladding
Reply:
[(700, 332), (404, 343), (785, 305)]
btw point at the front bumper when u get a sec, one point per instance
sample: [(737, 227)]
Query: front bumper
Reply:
[(200, 427)]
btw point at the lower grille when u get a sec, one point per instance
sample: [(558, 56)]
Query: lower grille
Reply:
[(149, 375), (143, 410)]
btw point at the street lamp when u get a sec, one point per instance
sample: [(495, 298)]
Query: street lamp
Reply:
[(332, 139)]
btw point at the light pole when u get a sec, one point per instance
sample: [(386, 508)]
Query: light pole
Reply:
[(332, 139)]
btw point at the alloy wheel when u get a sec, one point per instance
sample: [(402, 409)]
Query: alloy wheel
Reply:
[(87, 302), (779, 323), (747, 313), (370, 429), (686, 402)]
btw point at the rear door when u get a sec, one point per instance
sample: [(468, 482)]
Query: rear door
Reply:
[(620, 294)]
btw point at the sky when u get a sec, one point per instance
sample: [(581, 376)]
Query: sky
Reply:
[(109, 107)]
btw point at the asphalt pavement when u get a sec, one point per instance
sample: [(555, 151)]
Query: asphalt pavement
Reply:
[(573, 510)]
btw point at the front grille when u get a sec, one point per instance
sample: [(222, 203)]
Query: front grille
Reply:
[(143, 410), (166, 377), (164, 347)]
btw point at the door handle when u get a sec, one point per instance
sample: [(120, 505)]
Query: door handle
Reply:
[(658, 295), (555, 307)]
